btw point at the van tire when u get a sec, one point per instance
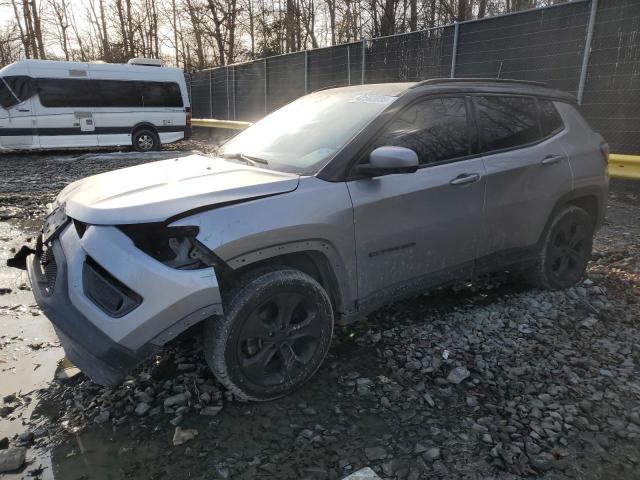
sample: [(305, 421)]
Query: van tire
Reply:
[(145, 140), (274, 335), (565, 252)]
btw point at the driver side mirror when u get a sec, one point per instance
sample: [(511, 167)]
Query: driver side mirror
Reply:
[(389, 160)]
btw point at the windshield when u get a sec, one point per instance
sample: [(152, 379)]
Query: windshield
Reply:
[(303, 136)]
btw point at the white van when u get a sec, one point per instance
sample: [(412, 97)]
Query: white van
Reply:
[(51, 104)]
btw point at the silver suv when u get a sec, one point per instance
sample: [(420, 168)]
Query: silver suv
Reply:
[(340, 202)]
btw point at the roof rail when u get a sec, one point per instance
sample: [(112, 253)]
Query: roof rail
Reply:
[(436, 81)]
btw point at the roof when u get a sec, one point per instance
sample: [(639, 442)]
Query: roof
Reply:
[(390, 89), (458, 85), (492, 85)]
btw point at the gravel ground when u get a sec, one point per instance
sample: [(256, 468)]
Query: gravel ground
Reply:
[(485, 380)]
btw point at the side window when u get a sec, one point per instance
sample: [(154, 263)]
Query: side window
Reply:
[(62, 92), (118, 93), (436, 129), (160, 94), (550, 120), (506, 122)]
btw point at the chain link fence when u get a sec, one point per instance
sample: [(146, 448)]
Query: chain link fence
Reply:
[(590, 48)]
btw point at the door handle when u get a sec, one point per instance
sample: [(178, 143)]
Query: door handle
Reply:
[(24, 110), (551, 159), (465, 178)]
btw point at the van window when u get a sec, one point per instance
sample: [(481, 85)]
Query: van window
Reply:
[(160, 94), (64, 92), (506, 122), (115, 93), (436, 129), (7, 98), (550, 120)]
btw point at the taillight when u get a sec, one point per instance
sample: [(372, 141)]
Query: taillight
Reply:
[(188, 116), (604, 150)]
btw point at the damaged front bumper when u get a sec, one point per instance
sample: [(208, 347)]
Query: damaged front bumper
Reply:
[(76, 279)]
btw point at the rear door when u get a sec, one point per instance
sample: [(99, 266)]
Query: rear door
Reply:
[(420, 227), (527, 172)]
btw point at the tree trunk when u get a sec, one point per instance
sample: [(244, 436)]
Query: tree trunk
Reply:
[(37, 29), (23, 37), (413, 15)]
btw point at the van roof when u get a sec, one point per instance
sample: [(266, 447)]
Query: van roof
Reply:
[(36, 67)]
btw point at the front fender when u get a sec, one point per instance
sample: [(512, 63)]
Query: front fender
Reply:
[(317, 216)]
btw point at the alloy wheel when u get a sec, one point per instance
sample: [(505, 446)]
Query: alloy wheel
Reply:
[(567, 251), (278, 339)]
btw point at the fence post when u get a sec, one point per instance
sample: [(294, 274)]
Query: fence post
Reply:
[(265, 86), (210, 95), (348, 64), (228, 98), (233, 85), (306, 70), (364, 53), (587, 51), (456, 29)]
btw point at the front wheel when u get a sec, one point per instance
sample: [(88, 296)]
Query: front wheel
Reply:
[(274, 335), (565, 251), (145, 141)]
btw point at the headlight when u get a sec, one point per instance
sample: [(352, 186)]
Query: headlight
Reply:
[(176, 247)]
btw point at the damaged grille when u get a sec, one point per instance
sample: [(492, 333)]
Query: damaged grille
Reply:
[(112, 296), (49, 269)]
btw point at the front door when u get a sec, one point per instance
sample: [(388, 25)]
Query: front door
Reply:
[(422, 228), (17, 126)]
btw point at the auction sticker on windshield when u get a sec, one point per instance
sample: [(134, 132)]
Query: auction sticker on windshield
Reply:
[(379, 99)]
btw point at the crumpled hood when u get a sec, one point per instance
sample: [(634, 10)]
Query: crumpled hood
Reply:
[(154, 192)]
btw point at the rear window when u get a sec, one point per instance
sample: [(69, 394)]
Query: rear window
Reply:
[(506, 122), (550, 120), (65, 92)]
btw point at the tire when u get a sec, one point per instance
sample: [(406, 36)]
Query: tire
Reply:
[(273, 336), (145, 141), (565, 251)]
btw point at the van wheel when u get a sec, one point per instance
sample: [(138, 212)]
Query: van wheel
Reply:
[(565, 251), (145, 141), (273, 337)]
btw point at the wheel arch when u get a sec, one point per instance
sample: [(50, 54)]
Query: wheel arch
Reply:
[(144, 125), (313, 257), (592, 199)]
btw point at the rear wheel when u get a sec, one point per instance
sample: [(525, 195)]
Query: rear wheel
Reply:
[(566, 250), (274, 335), (145, 141)]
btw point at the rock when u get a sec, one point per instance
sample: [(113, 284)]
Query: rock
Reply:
[(458, 375), (543, 462), (4, 291), (12, 459), (431, 455), (363, 474), (142, 408), (25, 438), (588, 322), (102, 417), (183, 435), (419, 448), (4, 443), (179, 399), (211, 411), (68, 373), (375, 453), (429, 399)]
